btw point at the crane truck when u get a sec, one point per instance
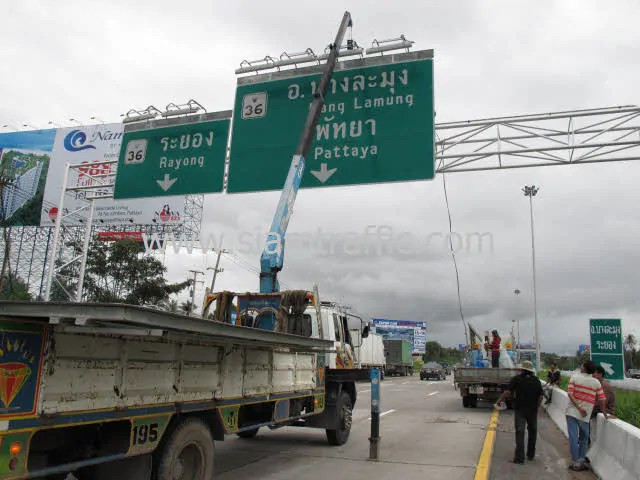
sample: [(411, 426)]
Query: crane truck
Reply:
[(119, 391)]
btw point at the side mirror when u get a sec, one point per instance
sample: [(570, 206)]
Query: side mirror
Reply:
[(365, 331)]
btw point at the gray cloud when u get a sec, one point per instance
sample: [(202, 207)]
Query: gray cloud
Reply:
[(79, 59)]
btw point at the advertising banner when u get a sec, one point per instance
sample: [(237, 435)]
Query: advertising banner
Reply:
[(116, 236), (90, 144), (414, 332), (24, 162)]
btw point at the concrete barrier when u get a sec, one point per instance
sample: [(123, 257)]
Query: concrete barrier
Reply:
[(614, 451)]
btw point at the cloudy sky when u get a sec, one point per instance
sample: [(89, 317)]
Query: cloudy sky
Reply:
[(73, 59)]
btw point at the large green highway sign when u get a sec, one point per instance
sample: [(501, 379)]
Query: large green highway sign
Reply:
[(181, 159), (377, 125), (607, 346)]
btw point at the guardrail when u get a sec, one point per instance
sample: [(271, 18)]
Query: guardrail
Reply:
[(626, 384), (614, 450)]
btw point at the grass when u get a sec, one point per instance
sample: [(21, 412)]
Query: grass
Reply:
[(627, 401)]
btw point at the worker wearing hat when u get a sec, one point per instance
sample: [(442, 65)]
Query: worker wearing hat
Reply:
[(528, 393)]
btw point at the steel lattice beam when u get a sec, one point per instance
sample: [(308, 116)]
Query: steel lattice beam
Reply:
[(561, 138)]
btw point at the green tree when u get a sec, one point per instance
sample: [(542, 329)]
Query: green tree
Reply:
[(118, 272), (170, 305), (432, 352), (14, 288), (187, 307)]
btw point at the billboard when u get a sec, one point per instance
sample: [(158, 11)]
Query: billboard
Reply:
[(95, 143), (24, 162), (34, 162), (414, 332)]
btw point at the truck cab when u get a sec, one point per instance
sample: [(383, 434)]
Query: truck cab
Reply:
[(334, 326)]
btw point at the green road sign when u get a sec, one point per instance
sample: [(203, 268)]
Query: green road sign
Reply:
[(613, 365), (377, 125), (175, 160), (606, 346)]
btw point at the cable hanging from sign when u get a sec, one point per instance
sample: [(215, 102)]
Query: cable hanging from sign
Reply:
[(399, 43)]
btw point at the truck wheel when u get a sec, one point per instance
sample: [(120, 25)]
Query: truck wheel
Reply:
[(465, 401), (248, 433), (473, 401), (341, 434), (188, 452)]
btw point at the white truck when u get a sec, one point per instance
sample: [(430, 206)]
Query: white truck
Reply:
[(117, 391), (370, 352)]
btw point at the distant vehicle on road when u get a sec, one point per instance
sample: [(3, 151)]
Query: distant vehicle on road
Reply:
[(633, 373), (398, 357), (447, 368), (432, 370)]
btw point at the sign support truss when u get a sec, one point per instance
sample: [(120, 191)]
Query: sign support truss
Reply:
[(562, 138), (100, 186)]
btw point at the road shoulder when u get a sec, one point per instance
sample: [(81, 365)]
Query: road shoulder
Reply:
[(552, 453)]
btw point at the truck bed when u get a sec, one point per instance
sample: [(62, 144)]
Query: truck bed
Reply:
[(104, 318), (484, 375), (88, 358)]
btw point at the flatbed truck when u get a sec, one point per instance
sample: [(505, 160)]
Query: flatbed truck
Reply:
[(117, 391)]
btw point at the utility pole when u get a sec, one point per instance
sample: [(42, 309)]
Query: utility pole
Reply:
[(531, 192), (193, 289), (216, 270)]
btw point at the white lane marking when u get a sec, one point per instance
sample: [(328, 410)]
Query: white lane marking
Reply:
[(384, 413), (432, 393), (367, 390), (404, 383)]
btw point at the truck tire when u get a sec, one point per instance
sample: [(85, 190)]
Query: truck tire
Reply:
[(344, 409), (248, 433), (187, 453), (473, 401), (465, 401)]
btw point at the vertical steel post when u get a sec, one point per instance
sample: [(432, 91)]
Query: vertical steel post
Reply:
[(85, 251), (56, 235), (374, 439), (535, 300)]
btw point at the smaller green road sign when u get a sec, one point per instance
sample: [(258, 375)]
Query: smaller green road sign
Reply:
[(607, 347), (174, 160)]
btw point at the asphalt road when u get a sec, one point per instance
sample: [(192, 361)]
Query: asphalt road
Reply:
[(426, 433)]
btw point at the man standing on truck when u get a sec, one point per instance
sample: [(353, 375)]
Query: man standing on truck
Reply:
[(528, 393), (495, 349)]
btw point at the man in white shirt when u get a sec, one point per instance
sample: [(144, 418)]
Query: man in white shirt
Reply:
[(584, 391)]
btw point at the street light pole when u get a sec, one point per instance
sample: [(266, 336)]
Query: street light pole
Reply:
[(531, 192), (516, 293)]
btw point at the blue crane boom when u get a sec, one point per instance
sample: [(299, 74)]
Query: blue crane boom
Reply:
[(272, 258)]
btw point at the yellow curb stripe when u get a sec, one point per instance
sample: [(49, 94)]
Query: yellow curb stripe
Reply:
[(484, 463)]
